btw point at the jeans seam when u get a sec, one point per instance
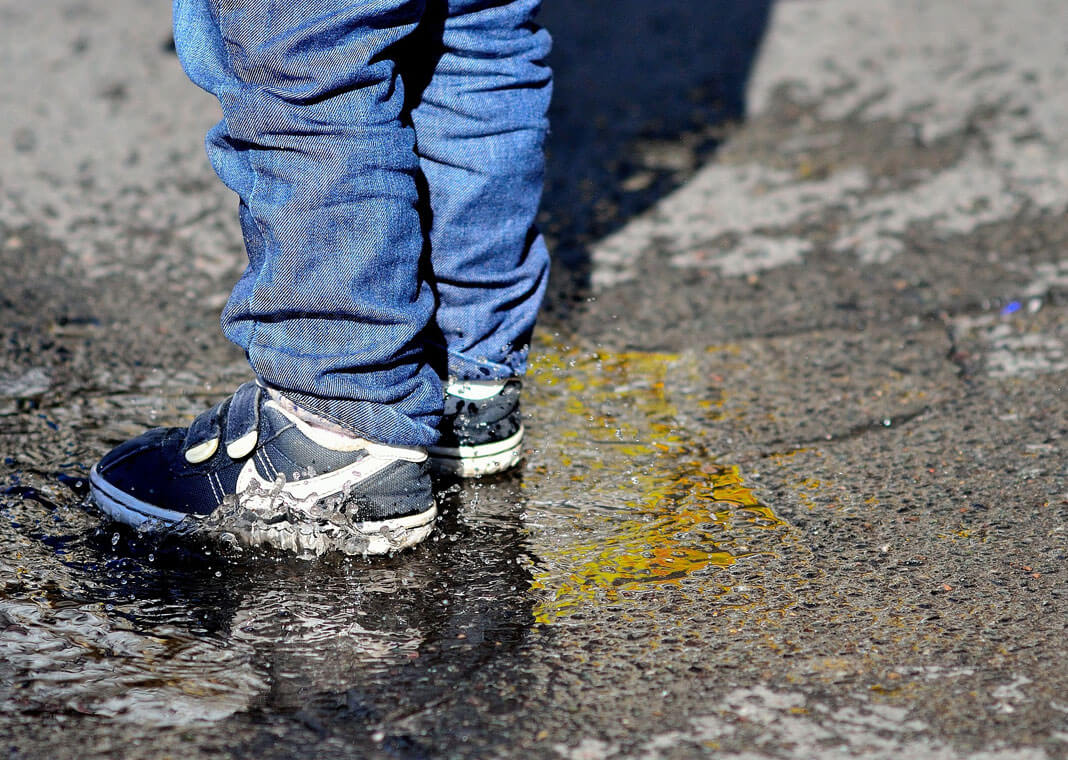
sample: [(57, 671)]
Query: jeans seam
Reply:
[(255, 184), (452, 352)]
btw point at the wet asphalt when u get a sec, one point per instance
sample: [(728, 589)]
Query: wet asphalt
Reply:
[(795, 483)]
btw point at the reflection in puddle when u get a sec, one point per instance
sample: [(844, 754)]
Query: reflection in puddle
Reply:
[(648, 506), (99, 622), (88, 628), (83, 659)]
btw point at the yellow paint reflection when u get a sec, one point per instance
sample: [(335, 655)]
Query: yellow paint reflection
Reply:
[(667, 512)]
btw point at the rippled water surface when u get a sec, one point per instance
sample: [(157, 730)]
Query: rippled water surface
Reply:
[(619, 515)]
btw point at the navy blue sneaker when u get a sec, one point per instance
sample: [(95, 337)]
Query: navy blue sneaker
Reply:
[(481, 430), (255, 459)]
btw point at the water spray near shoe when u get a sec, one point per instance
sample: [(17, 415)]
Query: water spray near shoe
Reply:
[(270, 473), (253, 465), (481, 430)]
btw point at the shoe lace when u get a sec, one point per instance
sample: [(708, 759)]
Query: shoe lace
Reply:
[(235, 421)]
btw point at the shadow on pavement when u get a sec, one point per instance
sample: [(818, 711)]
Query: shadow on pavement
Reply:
[(643, 92)]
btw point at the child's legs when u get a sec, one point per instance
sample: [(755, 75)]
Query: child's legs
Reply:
[(332, 306), (480, 125)]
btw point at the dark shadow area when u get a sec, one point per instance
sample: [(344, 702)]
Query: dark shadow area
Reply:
[(643, 94)]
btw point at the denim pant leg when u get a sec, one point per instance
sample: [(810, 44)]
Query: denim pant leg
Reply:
[(333, 305), (480, 128)]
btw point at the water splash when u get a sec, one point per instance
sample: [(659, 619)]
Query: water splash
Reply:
[(310, 527)]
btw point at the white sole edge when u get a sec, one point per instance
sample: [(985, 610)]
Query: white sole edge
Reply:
[(127, 509), (475, 461)]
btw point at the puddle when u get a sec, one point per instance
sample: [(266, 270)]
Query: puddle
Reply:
[(150, 634), (618, 507), (90, 623)]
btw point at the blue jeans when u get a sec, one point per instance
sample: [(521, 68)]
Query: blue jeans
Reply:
[(388, 157)]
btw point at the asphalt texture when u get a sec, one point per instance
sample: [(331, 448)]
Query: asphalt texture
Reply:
[(795, 483)]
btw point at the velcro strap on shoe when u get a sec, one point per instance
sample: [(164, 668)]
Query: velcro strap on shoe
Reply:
[(202, 438), (202, 452), (243, 421)]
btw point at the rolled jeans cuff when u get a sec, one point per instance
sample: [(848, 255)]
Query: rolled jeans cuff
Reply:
[(368, 419), (463, 367)]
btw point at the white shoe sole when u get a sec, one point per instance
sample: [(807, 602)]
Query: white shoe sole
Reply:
[(381, 536), (474, 461)]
